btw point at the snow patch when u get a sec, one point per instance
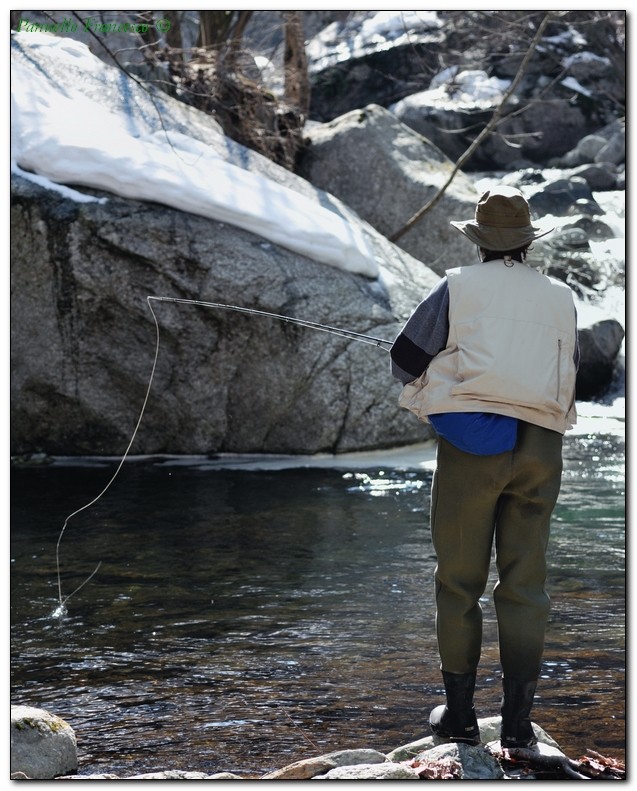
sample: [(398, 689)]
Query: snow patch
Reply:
[(65, 137)]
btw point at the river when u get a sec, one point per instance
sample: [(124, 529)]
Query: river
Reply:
[(250, 612)]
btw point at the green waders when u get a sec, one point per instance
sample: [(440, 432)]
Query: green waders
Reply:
[(476, 500)]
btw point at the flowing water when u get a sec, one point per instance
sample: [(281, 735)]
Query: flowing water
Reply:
[(249, 615)]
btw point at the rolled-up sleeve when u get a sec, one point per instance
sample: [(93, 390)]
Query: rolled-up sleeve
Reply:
[(423, 336)]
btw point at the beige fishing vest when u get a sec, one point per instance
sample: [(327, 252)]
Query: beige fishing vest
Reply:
[(510, 349)]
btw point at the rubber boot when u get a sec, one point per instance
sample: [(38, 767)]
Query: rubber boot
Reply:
[(457, 719), (517, 701)]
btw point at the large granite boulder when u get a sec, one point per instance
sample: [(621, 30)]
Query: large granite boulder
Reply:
[(387, 172), (83, 337)]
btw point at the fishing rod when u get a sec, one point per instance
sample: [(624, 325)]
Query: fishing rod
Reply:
[(355, 336), (381, 343)]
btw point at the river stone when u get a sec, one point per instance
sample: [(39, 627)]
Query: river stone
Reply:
[(605, 146), (489, 732), (168, 774), (465, 761), (43, 745), (302, 770), (600, 345), (550, 115), (411, 749), (225, 776), (387, 771), (559, 197), (90, 777), (541, 132), (171, 774), (351, 757), (310, 767), (614, 151), (589, 146)]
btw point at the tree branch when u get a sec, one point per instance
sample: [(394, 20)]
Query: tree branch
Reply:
[(495, 118)]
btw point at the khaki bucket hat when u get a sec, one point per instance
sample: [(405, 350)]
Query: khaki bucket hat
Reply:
[(502, 221)]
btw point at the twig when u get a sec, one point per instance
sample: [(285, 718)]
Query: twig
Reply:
[(484, 134), (302, 732), (135, 80), (544, 758)]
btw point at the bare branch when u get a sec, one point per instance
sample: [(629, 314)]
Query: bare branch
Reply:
[(488, 129)]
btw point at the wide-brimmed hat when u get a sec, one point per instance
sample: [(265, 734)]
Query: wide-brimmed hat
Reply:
[(502, 221)]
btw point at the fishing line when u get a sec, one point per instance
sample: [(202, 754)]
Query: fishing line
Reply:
[(61, 608), (356, 336)]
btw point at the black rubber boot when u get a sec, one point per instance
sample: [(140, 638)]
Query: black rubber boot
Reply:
[(457, 720), (517, 701)]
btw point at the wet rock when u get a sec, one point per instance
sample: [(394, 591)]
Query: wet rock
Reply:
[(43, 746), (600, 345)]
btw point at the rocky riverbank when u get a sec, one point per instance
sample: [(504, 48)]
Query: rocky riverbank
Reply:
[(44, 747)]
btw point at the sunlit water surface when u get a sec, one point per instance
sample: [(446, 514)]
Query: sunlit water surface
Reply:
[(245, 618)]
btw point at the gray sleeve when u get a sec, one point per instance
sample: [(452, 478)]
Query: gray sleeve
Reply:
[(423, 336)]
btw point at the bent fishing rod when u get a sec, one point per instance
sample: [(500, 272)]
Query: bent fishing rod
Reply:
[(356, 336), (381, 343)]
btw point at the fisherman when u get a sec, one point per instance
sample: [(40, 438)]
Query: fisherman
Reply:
[(489, 358)]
